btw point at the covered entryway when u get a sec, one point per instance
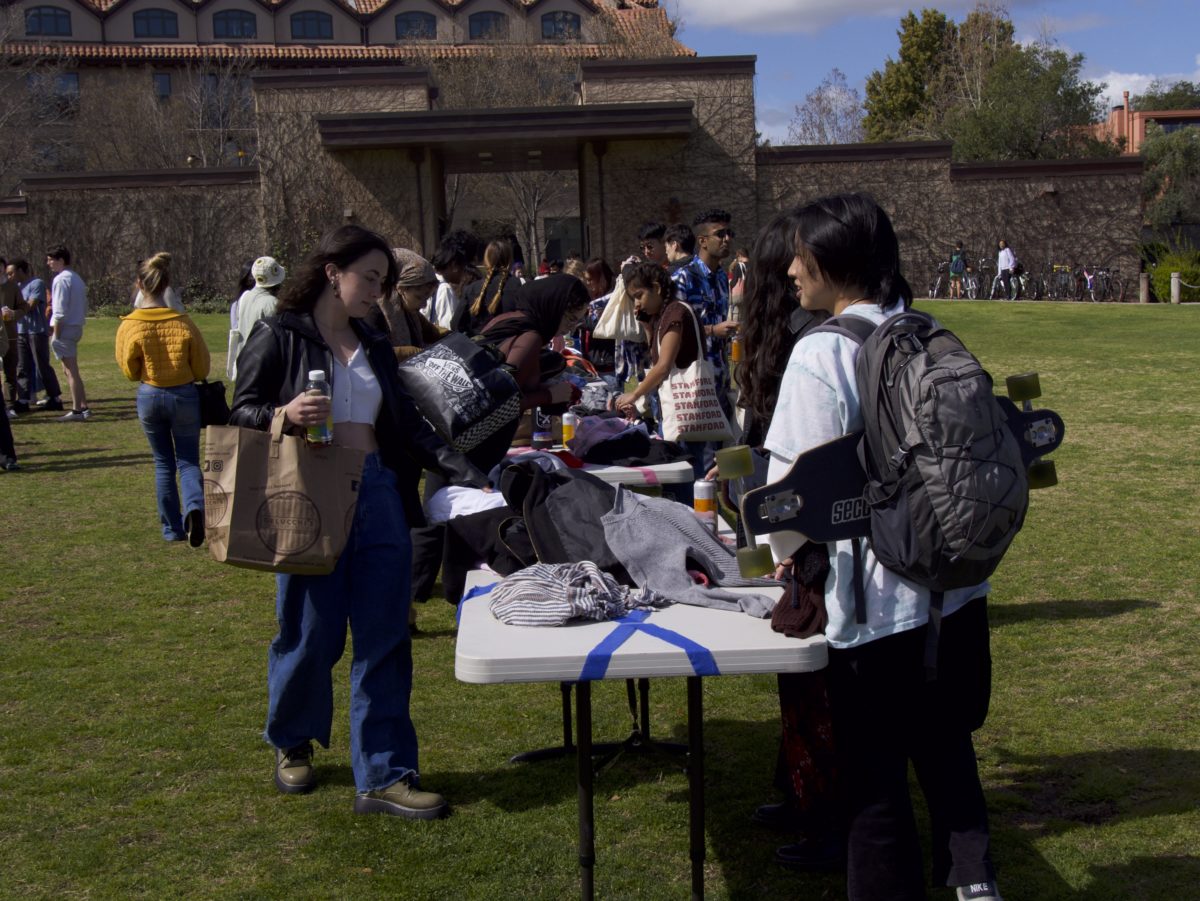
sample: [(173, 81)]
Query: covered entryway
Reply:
[(442, 143)]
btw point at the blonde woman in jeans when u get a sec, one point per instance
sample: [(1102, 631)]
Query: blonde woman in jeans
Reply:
[(162, 348)]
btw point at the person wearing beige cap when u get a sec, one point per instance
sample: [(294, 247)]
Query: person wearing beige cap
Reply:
[(253, 305), (398, 315)]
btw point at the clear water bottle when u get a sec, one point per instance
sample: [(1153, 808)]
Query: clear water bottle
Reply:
[(318, 386)]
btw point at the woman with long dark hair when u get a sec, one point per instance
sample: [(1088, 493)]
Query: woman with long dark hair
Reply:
[(546, 308), (319, 326), (805, 772), (885, 713), (673, 338)]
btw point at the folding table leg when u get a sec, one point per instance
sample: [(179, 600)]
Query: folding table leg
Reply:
[(587, 844), (696, 783)]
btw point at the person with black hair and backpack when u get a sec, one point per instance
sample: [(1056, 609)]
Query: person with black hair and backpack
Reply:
[(886, 710)]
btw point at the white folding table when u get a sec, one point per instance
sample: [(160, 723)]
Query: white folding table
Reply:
[(679, 640)]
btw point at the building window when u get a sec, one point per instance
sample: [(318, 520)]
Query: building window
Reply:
[(55, 96), (235, 24), (560, 26), (162, 85), (489, 27), (416, 27), (155, 23), (312, 26), (48, 21)]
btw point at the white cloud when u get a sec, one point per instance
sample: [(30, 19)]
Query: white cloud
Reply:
[(776, 16), (801, 16), (1116, 83)]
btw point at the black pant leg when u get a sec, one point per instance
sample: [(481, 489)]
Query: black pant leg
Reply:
[(944, 756), (10, 369), (8, 450), (429, 546), (41, 352), (873, 693), (25, 369)]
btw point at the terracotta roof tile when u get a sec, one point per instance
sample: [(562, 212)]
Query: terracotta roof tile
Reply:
[(288, 53), (363, 6)]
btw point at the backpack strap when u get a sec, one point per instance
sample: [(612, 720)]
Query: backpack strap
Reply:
[(933, 632), (856, 328), (860, 592)]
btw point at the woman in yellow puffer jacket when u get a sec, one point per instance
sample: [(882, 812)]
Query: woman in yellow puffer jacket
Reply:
[(162, 348)]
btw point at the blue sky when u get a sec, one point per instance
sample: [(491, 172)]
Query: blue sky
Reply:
[(1126, 43)]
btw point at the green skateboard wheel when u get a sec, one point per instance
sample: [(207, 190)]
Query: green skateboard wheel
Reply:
[(1042, 474), (1025, 386), (735, 462), (755, 561)]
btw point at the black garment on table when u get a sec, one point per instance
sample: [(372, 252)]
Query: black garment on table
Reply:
[(561, 514), (658, 453)]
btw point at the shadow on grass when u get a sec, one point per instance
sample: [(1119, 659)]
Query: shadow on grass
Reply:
[(90, 462), (1048, 796), (1010, 614)]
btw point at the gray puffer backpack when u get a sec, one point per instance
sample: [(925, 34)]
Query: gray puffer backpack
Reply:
[(946, 484)]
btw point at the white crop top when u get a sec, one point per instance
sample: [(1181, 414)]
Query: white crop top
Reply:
[(357, 395)]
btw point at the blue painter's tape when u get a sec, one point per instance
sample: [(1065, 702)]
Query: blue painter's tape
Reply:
[(596, 664), (475, 592)]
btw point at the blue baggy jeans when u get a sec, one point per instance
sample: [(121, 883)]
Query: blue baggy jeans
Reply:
[(369, 589), (170, 417)]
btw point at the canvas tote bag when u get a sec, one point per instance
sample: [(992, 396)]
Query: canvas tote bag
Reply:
[(274, 502), (690, 409), (618, 321)]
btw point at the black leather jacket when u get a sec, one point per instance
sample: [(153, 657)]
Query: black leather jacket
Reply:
[(273, 368)]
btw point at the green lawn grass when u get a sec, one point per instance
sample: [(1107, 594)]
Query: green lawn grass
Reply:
[(132, 678)]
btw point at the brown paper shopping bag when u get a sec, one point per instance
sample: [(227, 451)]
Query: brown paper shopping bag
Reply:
[(274, 502)]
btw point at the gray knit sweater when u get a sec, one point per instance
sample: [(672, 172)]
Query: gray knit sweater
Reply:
[(658, 540)]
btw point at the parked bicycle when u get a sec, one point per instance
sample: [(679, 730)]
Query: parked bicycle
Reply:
[(1099, 284), (1060, 282), (940, 280)]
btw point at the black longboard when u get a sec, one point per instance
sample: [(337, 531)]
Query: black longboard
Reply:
[(821, 497)]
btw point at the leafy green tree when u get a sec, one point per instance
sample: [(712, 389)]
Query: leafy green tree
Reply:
[(1034, 106), (1163, 95), (1171, 185), (898, 101), (973, 85)]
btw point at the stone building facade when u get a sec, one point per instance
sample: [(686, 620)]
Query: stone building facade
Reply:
[(372, 145)]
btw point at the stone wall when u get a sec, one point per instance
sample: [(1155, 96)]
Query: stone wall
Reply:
[(1063, 211), (672, 180), (207, 219), (308, 189)]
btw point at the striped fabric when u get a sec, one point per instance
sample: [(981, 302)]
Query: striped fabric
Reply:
[(551, 594)]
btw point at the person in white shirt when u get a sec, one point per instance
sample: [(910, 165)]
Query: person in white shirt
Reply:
[(1006, 262), (452, 262), (884, 711), (68, 295), (253, 305)]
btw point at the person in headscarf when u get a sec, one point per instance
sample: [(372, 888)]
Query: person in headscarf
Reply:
[(399, 313)]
